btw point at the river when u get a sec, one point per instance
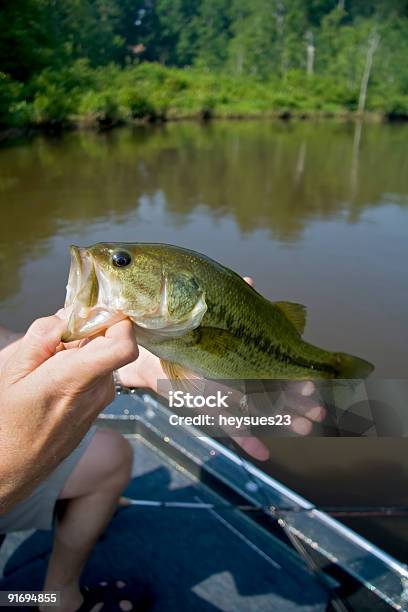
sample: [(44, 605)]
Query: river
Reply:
[(317, 213)]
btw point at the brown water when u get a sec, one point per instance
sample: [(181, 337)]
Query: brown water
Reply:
[(316, 213)]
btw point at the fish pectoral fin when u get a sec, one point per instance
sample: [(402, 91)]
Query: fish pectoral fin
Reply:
[(181, 378), (295, 313)]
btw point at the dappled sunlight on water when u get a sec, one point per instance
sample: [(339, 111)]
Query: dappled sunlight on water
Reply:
[(317, 213)]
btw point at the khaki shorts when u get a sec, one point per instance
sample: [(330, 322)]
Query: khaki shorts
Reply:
[(37, 510)]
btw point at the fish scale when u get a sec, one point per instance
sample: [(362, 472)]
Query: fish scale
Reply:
[(266, 344), (198, 316)]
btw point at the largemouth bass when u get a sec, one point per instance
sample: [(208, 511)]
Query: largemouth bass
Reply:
[(196, 315)]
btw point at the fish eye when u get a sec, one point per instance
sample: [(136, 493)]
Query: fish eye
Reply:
[(121, 259)]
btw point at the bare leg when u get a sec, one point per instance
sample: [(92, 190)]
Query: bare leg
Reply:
[(93, 490)]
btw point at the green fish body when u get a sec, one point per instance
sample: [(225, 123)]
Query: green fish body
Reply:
[(196, 315)]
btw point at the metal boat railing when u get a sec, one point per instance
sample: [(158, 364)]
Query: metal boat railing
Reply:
[(330, 543)]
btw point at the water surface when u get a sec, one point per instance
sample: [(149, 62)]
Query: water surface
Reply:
[(316, 213)]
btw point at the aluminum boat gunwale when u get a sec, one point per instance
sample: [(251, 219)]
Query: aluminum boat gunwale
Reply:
[(359, 568)]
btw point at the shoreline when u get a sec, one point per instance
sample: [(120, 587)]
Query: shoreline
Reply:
[(83, 124)]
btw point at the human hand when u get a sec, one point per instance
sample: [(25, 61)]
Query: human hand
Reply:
[(298, 399), (299, 402), (49, 397)]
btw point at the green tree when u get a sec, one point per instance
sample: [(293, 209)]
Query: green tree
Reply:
[(212, 28), (26, 43)]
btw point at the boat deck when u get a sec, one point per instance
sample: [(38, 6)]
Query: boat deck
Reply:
[(178, 559), (250, 548)]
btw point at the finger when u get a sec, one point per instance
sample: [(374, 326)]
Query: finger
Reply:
[(302, 387), (301, 409), (114, 350), (40, 342), (83, 341), (109, 391), (62, 313), (249, 280), (301, 426), (252, 446), (304, 406)]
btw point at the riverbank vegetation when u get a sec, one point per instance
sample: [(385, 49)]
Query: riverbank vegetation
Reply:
[(109, 61)]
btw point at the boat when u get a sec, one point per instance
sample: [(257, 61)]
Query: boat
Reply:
[(205, 529)]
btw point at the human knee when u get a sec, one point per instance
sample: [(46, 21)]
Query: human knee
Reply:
[(118, 455)]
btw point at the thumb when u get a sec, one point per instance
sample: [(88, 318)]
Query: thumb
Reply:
[(38, 344)]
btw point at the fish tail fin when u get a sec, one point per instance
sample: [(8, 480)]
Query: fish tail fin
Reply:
[(349, 366)]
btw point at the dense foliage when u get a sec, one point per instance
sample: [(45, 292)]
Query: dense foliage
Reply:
[(109, 60)]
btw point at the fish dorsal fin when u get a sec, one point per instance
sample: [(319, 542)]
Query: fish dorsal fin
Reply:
[(180, 377), (295, 313)]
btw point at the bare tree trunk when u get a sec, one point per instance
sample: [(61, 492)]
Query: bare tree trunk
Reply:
[(310, 53), (240, 61), (371, 49), (280, 24), (340, 5)]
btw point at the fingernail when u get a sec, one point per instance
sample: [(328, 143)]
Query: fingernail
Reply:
[(308, 388), (301, 426), (255, 448), (316, 413)]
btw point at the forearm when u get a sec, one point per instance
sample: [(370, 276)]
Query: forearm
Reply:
[(22, 467), (18, 482), (49, 400), (27, 459)]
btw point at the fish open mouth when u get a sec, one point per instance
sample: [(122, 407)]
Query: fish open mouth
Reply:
[(86, 298), (79, 273)]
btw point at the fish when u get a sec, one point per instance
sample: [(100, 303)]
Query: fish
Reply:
[(199, 317)]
